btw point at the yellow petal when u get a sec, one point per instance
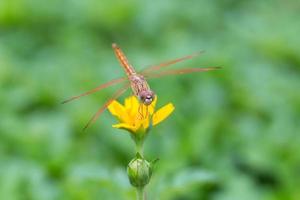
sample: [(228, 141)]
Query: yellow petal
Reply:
[(130, 101), (135, 116), (153, 104), (145, 123), (131, 105), (126, 127), (162, 114), (118, 110)]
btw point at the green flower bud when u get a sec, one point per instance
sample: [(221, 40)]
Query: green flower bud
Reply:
[(139, 171)]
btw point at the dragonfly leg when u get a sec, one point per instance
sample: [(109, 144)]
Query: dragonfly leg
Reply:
[(147, 113), (140, 110), (143, 111)]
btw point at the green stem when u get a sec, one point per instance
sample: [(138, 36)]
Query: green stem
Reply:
[(139, 143), (140, 193), (140, 147)]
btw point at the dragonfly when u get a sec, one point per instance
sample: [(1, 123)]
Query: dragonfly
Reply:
[(138, 80)]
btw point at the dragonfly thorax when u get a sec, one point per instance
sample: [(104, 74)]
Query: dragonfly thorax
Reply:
[(141, 89)]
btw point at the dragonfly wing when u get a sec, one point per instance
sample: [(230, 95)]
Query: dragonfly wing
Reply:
[(168, 63), (100, 111), (179, 71), (100, 87)]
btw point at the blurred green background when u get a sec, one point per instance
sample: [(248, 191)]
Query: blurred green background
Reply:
[(235, 133)]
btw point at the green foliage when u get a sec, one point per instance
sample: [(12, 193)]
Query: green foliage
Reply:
[(235, 133)]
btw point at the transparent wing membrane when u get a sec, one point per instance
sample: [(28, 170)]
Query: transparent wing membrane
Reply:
[(179, 71), (100, 87), (168, 63), (117, 94)]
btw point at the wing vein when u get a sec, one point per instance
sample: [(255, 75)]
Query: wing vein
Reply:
[(100, 87), (168, 63), (102, 108), (180, 71)]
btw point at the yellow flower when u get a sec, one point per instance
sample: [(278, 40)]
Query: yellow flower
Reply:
[(135, 117)]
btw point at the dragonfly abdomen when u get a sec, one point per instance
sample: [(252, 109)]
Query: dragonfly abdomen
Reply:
[(123, 60)]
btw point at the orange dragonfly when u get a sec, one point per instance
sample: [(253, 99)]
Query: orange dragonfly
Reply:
[(137, 81)]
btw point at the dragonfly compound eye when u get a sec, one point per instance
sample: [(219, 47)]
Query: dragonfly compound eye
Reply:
[(146, 97), (148, 100)]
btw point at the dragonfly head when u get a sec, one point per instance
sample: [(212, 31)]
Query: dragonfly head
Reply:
[(146, 97)]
